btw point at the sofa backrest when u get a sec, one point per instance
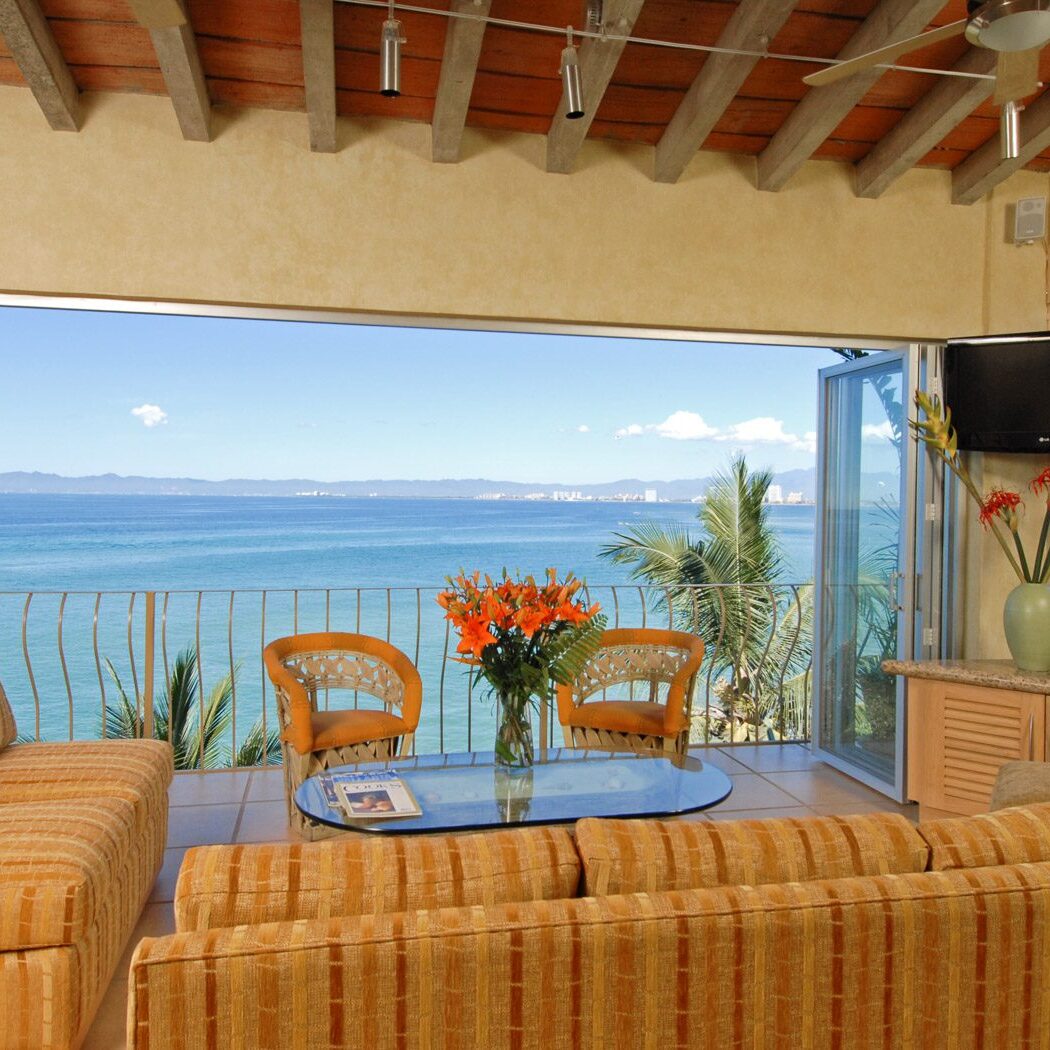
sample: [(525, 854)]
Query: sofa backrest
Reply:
[(8, 728), (632, 856), (934, 960), (1008, 836), (368, 874)]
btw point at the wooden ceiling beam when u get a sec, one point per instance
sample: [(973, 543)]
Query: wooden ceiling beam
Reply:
[(598, 61), (180, 65), (985, 168), (822, 109), (317, 22), (921, 129), (752, 27), (32, 45), (158, 14), (458, 68)]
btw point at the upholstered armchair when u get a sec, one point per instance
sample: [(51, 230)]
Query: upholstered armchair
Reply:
[(635, 694), (377, 692)]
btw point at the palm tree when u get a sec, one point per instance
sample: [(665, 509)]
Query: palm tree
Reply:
[(197, 732), (719, 585)]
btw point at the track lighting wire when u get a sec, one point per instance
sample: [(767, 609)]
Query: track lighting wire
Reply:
[(674, 45)]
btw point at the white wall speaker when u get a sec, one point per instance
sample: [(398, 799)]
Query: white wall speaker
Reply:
[(1029, 220)]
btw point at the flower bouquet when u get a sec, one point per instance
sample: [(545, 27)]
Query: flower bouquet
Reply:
[(1026, 616), (521, 635)]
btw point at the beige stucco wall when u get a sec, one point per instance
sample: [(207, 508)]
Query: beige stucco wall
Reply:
[(126, 208)]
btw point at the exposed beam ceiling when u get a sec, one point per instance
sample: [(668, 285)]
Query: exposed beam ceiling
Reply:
[(752, 26), (458, 67), (985, 169), (180, 65), (598, 61), (938, 113), (823, 109), (317, 22), (32, 46)]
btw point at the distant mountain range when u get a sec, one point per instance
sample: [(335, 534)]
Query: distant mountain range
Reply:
[(873, 487)]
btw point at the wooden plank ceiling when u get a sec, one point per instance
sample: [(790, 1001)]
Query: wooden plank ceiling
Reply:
[(251, 54)]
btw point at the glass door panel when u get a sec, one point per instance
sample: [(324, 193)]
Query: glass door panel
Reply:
[(864, 516)]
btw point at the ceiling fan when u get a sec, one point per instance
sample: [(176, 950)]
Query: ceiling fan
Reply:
[(1016, 29)]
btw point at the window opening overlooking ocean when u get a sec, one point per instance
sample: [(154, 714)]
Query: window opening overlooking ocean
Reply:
[(260, 477)]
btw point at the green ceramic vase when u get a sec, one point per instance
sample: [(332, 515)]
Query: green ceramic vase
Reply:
[(1026, 619)]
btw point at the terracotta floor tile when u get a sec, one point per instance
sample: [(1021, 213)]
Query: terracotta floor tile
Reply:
[(750, 791), (761, 814), (823, 787), (208, 789), (164, 887), (720, 757), (775, 758), (266, 786), (265, 822), (201, 825)]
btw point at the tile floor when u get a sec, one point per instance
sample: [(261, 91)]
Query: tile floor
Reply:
[(770, 781)]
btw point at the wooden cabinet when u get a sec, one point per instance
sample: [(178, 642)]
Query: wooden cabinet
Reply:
[(958, 737)]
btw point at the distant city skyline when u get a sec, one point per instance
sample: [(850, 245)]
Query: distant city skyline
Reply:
[(172, 396)]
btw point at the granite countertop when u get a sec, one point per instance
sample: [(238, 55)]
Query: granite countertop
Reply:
[(994, 674)]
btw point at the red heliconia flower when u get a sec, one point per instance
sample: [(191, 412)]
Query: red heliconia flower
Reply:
[(999, 503), (1041, 483)]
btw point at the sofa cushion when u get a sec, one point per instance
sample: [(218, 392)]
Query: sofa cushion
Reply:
[(372, 874), (58, 865), (138, 771), (8, 729), (632, 856), (1009, 836)]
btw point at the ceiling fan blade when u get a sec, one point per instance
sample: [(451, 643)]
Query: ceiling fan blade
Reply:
[(1016, 75), (884, 54)]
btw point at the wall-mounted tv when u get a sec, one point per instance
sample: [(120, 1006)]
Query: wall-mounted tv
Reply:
[(998, 388)]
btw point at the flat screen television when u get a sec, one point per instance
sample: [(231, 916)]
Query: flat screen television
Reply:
[(997, 388)]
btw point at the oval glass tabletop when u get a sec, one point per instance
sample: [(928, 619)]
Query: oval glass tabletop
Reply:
[(470, 792)]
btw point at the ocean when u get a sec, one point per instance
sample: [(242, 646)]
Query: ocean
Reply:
[(233, 564)]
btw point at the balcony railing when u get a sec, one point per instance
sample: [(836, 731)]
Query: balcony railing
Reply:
[(65, 656)]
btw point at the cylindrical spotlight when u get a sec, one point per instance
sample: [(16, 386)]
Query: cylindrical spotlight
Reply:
[(1010, 130), (573, 84), (390, 59)]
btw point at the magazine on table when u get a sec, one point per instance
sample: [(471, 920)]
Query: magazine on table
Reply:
[(377, 795)]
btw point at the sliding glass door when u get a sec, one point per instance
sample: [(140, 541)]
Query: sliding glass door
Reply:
[(865, 591)]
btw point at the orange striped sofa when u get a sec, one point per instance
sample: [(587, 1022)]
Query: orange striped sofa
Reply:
[(839, 933), (82, 834)]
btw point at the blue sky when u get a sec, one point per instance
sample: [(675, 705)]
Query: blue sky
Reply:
[(88, 393)]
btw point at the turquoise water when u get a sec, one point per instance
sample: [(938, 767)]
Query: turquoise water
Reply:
[(324, 547)]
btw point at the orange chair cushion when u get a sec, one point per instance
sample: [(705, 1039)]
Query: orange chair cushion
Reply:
[(621, 716), (341, 728)]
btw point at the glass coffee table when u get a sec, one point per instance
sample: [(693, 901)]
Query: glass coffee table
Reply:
[(470, 792)]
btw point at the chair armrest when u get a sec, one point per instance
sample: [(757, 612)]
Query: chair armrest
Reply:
[(300, 734)]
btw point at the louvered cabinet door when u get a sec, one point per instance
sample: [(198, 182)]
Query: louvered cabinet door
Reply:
[(959, 736)]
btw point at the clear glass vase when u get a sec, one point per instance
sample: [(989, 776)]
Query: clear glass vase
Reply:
[(514, 732)]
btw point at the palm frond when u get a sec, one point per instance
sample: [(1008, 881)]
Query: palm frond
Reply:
[(259, 748)]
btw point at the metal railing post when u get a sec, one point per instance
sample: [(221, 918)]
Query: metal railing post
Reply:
[(147, 692)]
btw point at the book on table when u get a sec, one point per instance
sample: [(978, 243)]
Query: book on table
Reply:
[(376, 795)]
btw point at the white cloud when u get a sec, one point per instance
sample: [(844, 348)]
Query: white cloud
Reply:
[(878, 431), (684, 426), (151, 415), (762, 430), (689, 426), (678, 426), (583, 429)]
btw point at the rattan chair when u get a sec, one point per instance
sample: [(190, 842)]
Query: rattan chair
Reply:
[(636, 693), (308, 672)]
